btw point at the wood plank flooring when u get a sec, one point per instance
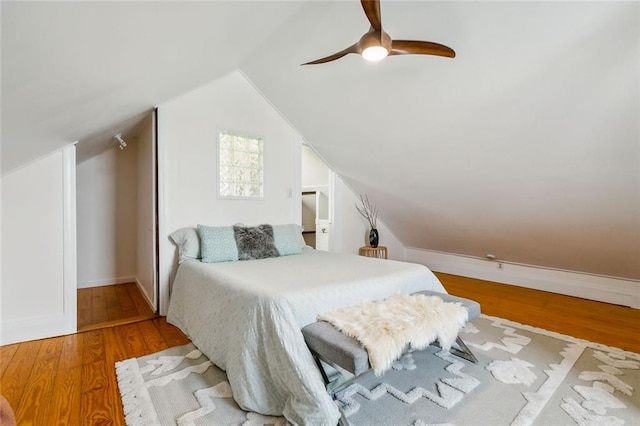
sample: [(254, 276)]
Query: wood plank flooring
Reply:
[(613, 325), (70, 380), (110, 305)]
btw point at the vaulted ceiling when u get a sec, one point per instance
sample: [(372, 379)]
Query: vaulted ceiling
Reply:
[(526, 145)]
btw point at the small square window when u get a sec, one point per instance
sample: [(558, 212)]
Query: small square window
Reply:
[(240, 166)]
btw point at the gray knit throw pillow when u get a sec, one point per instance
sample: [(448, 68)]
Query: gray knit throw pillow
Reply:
[(255, 242)]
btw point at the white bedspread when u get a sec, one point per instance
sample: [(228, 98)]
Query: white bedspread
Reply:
[(246, 317)]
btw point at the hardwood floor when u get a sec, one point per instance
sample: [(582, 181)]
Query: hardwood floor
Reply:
[(70, 380), (613, 325), (110, 305)]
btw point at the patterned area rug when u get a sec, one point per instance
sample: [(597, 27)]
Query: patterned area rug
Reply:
[(524, 376)]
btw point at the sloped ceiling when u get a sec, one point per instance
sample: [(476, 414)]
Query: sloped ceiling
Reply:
[(526, 145), (87, 70)]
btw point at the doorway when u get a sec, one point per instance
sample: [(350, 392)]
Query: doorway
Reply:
[(315, 219), (116, 230), (316, 200)]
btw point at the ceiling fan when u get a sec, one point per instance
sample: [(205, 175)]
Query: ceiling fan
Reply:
[(376, 44)]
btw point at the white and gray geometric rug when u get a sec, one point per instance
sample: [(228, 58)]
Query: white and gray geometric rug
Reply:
[(524, 376)]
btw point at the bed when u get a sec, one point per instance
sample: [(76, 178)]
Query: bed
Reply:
[(246, 317)]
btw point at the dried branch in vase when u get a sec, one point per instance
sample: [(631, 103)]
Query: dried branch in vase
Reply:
[(368, 211)]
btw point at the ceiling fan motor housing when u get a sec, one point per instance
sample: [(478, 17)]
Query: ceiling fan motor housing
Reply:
[(374, 38)]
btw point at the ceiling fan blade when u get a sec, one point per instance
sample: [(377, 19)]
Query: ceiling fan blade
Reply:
[(372, 10), (351, 49), (408, 47)]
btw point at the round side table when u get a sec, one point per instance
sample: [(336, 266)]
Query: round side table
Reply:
[(379, 252)]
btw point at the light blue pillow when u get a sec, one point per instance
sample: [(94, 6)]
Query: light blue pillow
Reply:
[(217, 244), (288, 239)]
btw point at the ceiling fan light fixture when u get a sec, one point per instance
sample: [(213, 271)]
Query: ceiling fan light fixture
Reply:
[(375, 53), (376, 44)]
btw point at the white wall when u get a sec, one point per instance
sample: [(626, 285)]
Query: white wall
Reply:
[(107, 202), (146, 228), (38, 249), (351, 231), (314, 171), (187, 138)]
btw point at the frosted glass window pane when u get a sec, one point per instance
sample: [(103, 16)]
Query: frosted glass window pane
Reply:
[(226, 174), (241, 159), (254, 161), (226, 143), (240, 165), (238, 174), (226, 156), (256, 191), (239, 144)]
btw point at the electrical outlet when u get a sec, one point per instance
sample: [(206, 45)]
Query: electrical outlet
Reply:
[(500, 266)]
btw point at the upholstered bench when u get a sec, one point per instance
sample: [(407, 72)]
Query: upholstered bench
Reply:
[(328, 344)]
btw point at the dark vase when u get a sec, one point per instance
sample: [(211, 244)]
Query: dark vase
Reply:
[(373, 238)]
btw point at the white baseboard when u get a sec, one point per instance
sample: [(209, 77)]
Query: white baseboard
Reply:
[(34, 328), (145, 295), (106, 281), (618, 291)]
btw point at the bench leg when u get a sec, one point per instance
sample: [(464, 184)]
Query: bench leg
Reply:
[(464, 352), (321, 368)]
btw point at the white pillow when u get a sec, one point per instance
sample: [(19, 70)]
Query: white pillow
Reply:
[(188, 243)]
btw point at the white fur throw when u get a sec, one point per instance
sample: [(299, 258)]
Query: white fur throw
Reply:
[(386, 327)]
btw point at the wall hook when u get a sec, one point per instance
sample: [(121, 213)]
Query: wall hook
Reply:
[(121, 143)]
